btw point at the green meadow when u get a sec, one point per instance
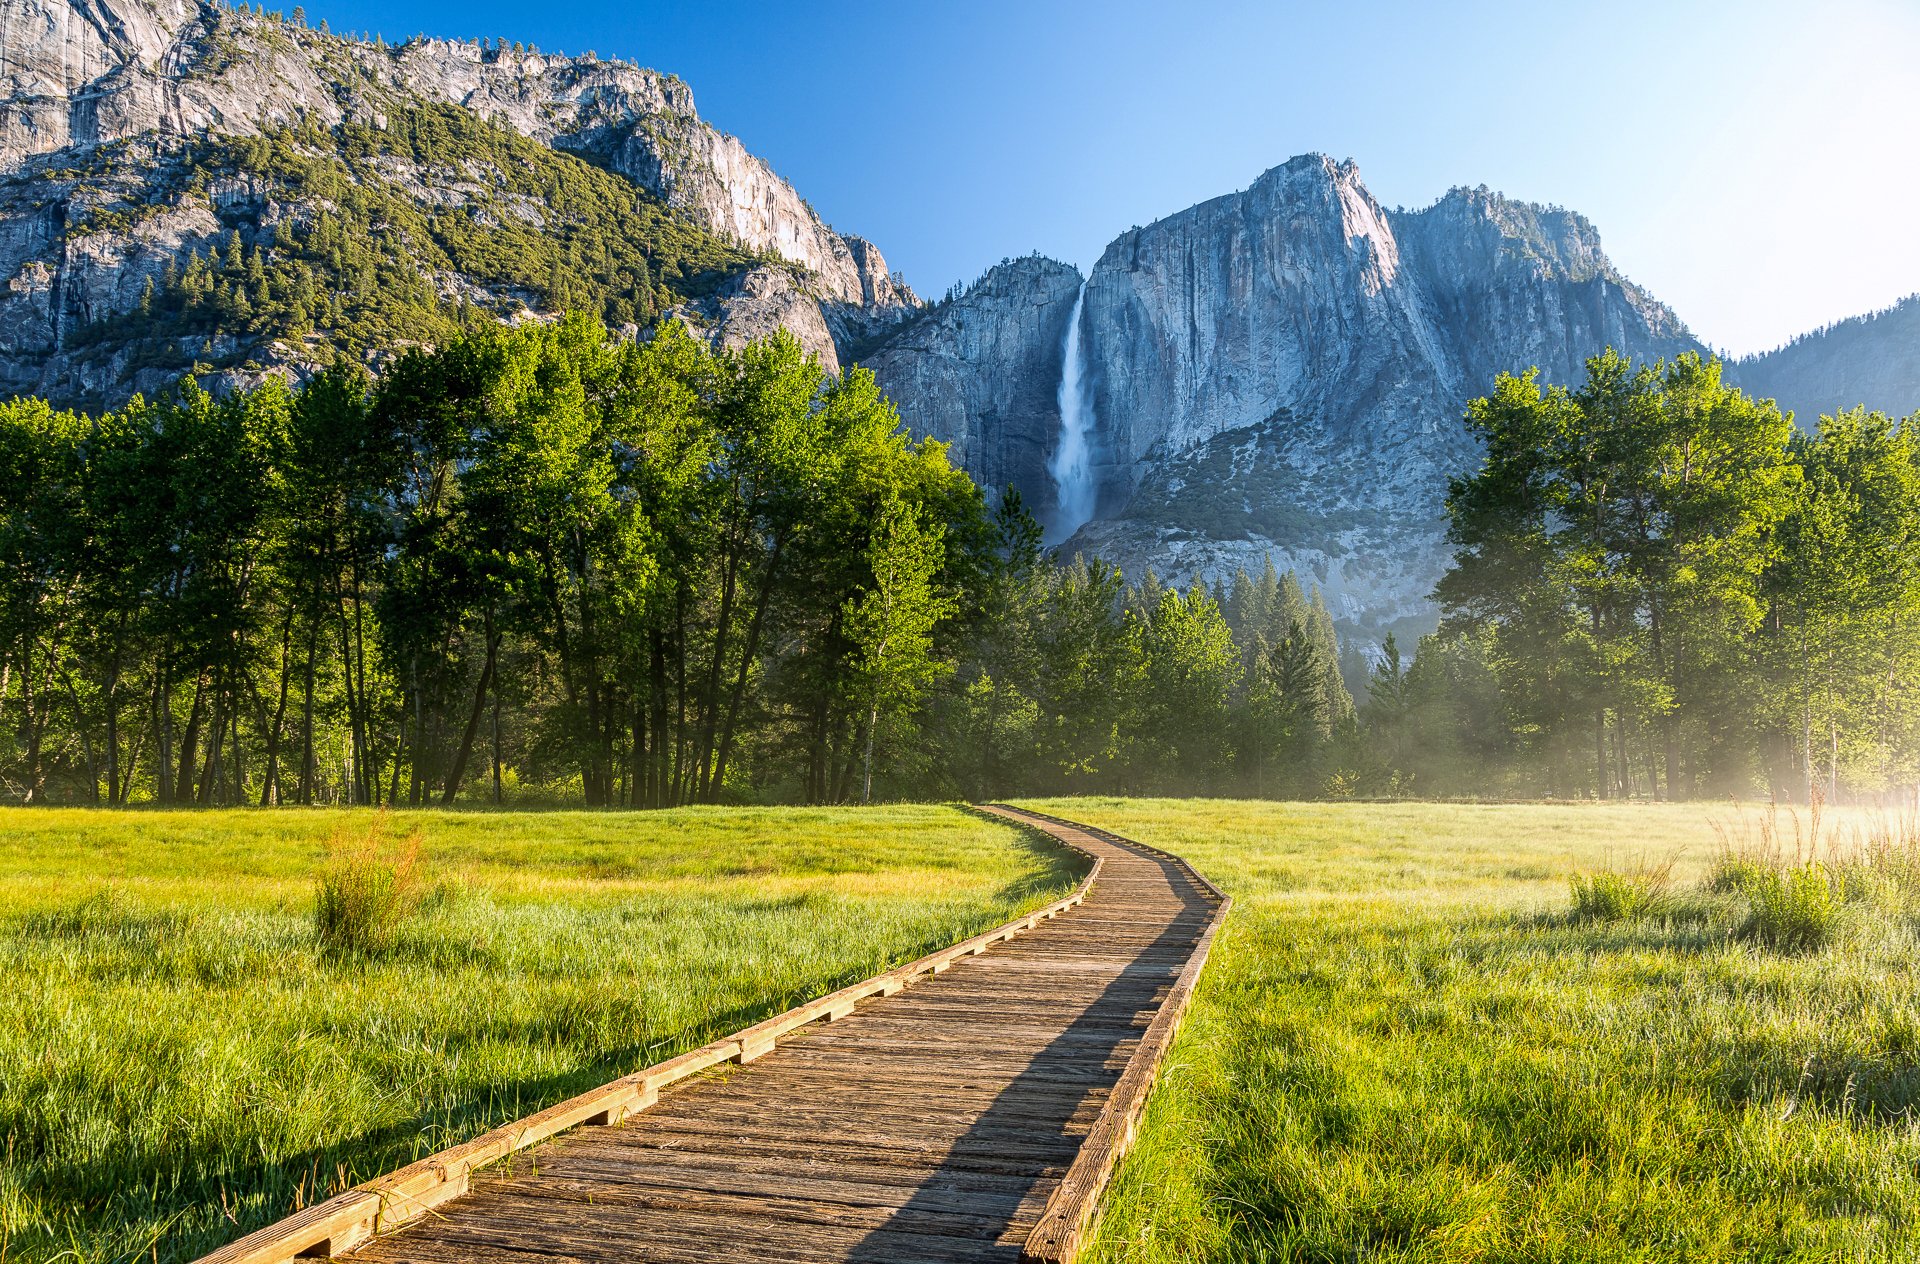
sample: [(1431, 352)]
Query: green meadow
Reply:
[(182, 1059), (1427, 1032), (1410, 1046)]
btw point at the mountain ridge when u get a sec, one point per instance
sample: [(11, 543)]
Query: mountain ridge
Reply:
[(1279, 373), (1872, 359)]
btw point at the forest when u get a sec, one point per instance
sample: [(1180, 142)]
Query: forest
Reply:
[(547, 564)]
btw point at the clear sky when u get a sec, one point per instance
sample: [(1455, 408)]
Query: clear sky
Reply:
[(1755, 164)]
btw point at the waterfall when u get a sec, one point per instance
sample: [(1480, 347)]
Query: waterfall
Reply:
[(1071, 464)]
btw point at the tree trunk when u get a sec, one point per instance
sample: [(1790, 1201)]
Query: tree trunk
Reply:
[(190, 740), (497, 796), (636, 751), (356, 782), (86, 743), (657, 702), (1600, 753), (1806, 706), (116, 794), (270, 788), (205, 794), (749, 651), (680, 699), (163, 734), (416, 761), (27, 709), (474, 715), (873, 723), (367, 766), (309, 758), (1620, 760), (710, 701)]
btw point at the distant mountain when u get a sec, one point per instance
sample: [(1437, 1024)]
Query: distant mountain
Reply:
[(185, 186), (1872, 360), (1278, 373)]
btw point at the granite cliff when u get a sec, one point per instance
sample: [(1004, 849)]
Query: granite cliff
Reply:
[(119, 120), (982, 371), (1281, 373)]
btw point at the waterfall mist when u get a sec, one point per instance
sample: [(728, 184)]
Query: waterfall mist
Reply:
[(1071, 465)]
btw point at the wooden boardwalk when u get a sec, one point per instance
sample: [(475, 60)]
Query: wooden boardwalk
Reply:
[(936, 1124)]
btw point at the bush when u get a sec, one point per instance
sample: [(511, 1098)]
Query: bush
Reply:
[(1796, 909), (1615, 896), (370, 887)]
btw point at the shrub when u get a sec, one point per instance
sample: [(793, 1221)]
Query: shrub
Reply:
[(370, 887), (1796, 909), (1614, 896)]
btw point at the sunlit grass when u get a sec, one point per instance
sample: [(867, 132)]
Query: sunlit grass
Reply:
[(1407, 1047), (180, 1061)]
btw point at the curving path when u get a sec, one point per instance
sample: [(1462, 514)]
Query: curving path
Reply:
[(934, 1124)]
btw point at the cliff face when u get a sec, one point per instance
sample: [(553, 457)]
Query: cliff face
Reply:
[(1282, 372), (102, 103), (983, 371)]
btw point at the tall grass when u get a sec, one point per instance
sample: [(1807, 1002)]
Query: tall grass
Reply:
[(371, 885), (180, 1062), (1808, 880), (1404, 1050), (1612, 895)]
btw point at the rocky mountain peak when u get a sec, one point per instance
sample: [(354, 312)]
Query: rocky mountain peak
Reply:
[(1280, 373)]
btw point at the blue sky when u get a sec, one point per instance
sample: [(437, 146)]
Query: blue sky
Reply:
[(1756, 165)]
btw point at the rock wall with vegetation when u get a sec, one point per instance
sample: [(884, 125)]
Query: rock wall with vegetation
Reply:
[(377, 194)]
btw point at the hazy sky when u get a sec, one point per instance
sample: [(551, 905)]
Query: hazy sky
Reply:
[(1756, 165)]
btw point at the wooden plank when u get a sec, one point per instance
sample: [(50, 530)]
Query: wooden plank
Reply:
[(326, 1229), (978, 1114), (1070, 1212)]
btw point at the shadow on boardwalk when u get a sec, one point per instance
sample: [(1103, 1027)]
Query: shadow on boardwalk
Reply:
[(1031, 1116)]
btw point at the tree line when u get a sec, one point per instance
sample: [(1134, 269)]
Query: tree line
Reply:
[(628, 572), (1665, 589), (546, 564)]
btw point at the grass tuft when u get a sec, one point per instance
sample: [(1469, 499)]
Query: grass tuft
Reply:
[(1796, 909), (372, 884), (1804, 884), (1616, 895)]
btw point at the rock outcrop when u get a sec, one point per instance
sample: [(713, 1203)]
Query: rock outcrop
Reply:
[(1281, 373), (101, 101)]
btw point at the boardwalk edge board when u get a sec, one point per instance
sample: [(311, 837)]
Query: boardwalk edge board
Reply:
[(1069, 1213), (348, 1220)]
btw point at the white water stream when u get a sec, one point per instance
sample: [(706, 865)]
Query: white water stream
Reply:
[(1071, 465)]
